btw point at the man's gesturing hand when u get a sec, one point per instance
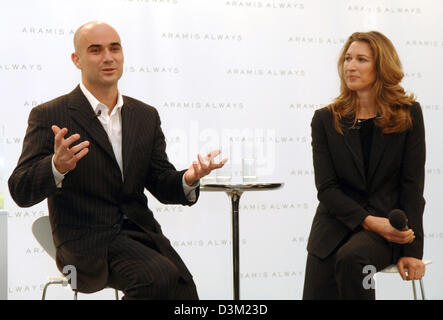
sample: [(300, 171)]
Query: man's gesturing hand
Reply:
[(65, 158), (203, 167)]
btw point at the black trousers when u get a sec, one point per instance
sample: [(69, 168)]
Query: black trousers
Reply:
[(344, 273), (141, 272)]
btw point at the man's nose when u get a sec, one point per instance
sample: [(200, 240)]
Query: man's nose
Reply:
[(107, 55)]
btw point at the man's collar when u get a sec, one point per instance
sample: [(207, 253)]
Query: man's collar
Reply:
[(95, 103)]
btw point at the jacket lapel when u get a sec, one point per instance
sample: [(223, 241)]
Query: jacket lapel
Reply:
[(352, 141), (129, 134), (83, 114), (380, 142)]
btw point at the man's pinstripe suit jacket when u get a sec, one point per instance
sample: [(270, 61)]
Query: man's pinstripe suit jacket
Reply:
[(86, 213)]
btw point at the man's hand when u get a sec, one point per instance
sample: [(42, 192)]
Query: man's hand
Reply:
[(65, 158), (416, 268), (383, 227), (203, 167)]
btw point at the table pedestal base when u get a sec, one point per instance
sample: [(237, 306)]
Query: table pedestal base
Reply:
[(235, 202), (234, 191)]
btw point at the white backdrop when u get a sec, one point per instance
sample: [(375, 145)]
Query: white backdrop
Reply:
[(217, 69)]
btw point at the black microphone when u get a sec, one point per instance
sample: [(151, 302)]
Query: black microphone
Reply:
[(99, 112), (397, 219), (358, 124)]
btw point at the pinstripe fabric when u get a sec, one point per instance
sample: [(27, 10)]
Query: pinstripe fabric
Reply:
[(86, 213), (141, 272)]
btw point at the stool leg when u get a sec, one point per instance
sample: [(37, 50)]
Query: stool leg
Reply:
[(413, 289), (116, 294), (44, 290), (75, 294), (422, 288), (48, 284)]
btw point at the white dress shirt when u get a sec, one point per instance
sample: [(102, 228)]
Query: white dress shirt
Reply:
[(112, 123)]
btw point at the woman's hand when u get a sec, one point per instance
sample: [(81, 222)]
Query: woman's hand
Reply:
[(383, 227), (416, 268)]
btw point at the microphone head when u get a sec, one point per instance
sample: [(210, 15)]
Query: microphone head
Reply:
[(397, 219)]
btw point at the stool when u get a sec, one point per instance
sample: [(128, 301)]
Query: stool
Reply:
[(41, 228), (64, 282), (394, 269)]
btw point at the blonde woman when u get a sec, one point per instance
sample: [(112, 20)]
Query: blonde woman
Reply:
[(369, 157)]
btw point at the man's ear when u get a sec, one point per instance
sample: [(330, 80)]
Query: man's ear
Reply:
[(75, 58)]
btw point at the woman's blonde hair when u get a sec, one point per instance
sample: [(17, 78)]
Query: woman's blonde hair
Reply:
[(392, 103)]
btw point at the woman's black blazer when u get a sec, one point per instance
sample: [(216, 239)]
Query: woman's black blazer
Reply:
[(395, 180)]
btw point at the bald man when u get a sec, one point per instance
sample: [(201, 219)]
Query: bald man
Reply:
[(94, 178)]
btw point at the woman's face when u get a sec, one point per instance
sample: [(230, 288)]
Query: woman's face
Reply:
[(359, 67)]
